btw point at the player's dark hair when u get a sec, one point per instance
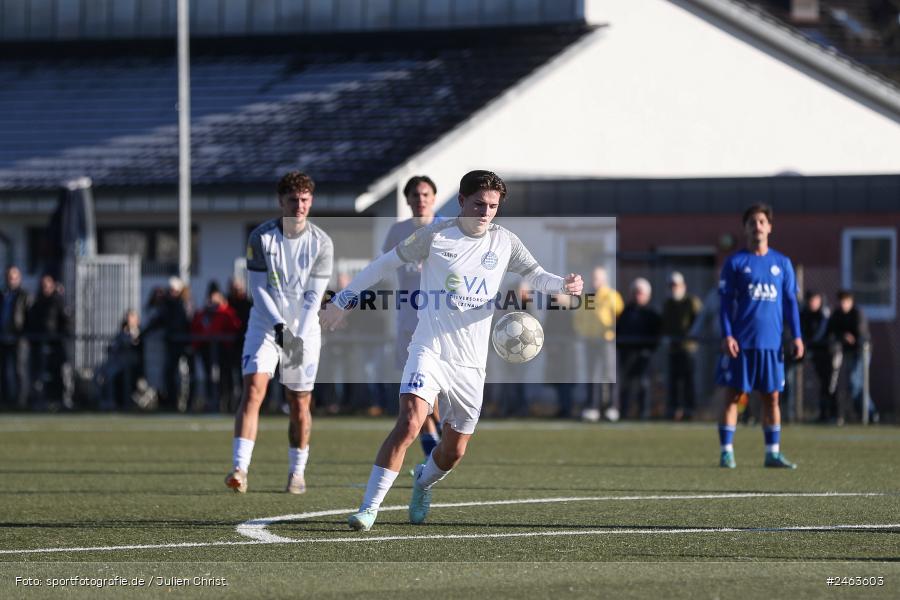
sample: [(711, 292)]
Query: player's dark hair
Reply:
[(756, 209), (296, 181), (414, 182), (474, 181), (842, 294)]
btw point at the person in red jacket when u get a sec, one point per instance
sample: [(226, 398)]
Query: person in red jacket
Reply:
[(213, 331)]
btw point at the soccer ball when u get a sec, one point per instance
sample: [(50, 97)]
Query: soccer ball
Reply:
[(517, 337)]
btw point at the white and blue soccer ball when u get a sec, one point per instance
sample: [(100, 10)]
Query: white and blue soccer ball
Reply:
[(517, 337)]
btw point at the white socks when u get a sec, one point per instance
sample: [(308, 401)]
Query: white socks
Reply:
[(380, 481), (297, 458), (241, 451), (430, 474)]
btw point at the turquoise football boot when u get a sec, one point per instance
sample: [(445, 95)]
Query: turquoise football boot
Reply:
[(726, 461), (777, 460), (420, 501), (363, 520)]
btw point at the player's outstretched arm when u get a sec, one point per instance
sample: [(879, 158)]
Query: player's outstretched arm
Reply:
[(336, 311)]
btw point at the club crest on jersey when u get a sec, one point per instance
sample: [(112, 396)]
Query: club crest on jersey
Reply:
[(774, 270), (489, 260), (763, 291)]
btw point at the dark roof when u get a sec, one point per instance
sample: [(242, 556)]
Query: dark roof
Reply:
[(345, 108)]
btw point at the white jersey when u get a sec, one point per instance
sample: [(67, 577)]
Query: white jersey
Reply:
[(461, 276), (292, 265)]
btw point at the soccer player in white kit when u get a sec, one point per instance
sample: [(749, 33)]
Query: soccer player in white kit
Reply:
[(464, 261), (289, 261)]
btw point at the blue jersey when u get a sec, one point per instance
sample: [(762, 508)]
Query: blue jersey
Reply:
[(759, 293)]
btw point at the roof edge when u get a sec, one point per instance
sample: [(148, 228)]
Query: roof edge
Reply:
[(378, 188), (781, 36)]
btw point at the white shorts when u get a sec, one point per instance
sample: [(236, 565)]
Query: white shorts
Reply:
[(261, 355), (426, 376)]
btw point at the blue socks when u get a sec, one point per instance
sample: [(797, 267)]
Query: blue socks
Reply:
[(772, 435), (429, 442), (726, 437)]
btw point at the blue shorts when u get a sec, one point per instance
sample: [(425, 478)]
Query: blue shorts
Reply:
[(760, 370)]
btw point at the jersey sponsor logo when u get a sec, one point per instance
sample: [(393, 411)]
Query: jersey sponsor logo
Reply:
[(249, 252), (410, 239), (489, 260), (763, 291), (774, 270), (473, 285)]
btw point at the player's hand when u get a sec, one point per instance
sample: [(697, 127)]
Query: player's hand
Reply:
[(292, 347), (850, 339), (332, 317), (730, 347), (798, 349), (574, 284)]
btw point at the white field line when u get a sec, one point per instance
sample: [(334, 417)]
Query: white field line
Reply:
[(256, 528)]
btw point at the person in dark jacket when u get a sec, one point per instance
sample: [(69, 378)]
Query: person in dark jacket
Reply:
[(13, 345), (679, 313), (848, 329), (48, 327), (638, 333), (814, 327), (172, 318)]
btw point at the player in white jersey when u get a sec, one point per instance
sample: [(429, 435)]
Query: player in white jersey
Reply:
[(289, 261), (463, 264)]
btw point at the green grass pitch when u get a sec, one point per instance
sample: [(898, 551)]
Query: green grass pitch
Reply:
[(628, 510)]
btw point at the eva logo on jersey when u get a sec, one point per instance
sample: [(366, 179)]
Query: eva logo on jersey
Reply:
[(473, 285), (765, 292)]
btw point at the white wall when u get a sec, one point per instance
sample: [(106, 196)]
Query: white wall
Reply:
[(661, 92)]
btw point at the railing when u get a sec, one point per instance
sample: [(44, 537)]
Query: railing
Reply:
[(202, 373)]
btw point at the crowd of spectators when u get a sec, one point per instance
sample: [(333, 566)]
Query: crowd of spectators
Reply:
[(179, 355)]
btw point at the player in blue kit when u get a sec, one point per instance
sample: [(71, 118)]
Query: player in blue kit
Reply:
[(759, 293)]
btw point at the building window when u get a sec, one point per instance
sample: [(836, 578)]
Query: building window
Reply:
[(869, 268), (157, 247)]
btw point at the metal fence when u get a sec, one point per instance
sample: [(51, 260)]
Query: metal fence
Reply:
[(105, 287)]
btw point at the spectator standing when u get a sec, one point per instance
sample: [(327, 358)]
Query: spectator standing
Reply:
[(175, 324), (596, 326), (849, 329), (679, 313), (240, 301), (48, 326), (639, 328), (13, 345), (814, 327), (213, 332)]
